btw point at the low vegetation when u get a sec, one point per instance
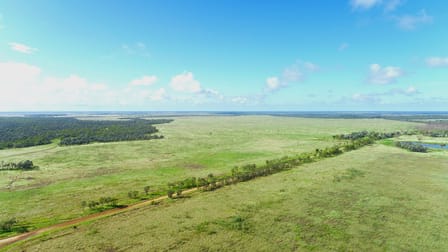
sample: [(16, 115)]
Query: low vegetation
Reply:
[(12, 225), (17, 132), (102, 204), (25, 165), (251, 171), (376, 198), (414, 147), (193, 147)]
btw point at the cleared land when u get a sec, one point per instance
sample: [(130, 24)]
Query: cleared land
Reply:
[(373, 199), (193, 146)]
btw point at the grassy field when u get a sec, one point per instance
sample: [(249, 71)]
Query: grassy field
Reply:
[(378, 198), (193, 146)]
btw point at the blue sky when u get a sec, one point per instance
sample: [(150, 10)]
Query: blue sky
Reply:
[(223, 55)]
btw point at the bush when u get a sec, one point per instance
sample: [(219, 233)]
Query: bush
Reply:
[(7, 225), (414, 147)]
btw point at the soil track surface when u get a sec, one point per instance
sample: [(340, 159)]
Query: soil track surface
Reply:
[(10, 240)]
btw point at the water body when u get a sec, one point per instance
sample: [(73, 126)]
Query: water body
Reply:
[(433, 145)]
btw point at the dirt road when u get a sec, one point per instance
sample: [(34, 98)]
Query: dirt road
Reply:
[(10, 240)]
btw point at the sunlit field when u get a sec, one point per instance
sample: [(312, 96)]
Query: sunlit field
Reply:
[(378, 198), (193, 146)]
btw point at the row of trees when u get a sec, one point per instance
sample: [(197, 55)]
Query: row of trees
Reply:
[(16, 132), (24, 165), (102, 204), (414, 147), (371, 134), (251, 171)]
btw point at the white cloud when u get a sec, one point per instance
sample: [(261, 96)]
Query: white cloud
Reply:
[(291, 74), (343, 46), (411, 90), (24, 87), (364, 4), (410, 22), (158, 95), (185, 82), (437, 61), (13, 73), (273, 83), (144, 81), (22, 48), (384, 75), (240, 100)]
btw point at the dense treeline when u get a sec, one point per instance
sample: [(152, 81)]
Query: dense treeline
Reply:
[(24, 165), (16, 132), (415, 147), (370, 134)]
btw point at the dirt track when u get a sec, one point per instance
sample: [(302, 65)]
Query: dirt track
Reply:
[(10, 240)]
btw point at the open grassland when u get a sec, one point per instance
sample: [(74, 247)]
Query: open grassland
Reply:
[(193, 146), (378, 198)]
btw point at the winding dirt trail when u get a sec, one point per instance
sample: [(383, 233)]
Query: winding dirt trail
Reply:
[(13, 239)]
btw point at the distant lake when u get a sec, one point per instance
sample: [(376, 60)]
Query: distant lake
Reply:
[(433, 145)]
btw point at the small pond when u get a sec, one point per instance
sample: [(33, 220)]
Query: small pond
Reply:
[(433, 145)]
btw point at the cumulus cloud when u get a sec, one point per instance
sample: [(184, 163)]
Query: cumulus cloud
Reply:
[(437, 61), (364, 4), (144, 81), (22, 48), (273, 83), (384, 75), (410, 22), (185, 82), (24, 86), (291, 74), (158, 95)]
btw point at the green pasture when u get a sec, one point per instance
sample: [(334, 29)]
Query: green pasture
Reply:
[(377, 198), (193, 146)]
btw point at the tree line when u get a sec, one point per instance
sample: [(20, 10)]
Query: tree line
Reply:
[(414, 147), (371, 134), (17, 132), (247, 172)]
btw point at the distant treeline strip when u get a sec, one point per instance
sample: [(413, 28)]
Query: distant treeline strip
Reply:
[(17, 132)]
